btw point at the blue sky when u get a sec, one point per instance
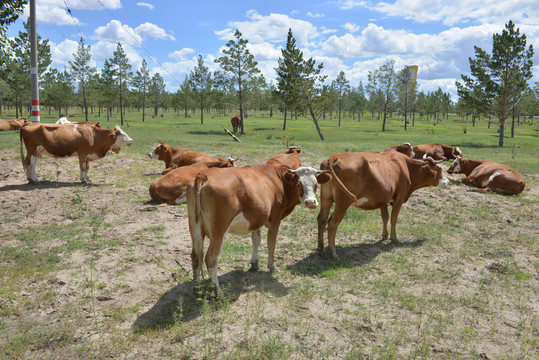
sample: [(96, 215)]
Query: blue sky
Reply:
[(345, 35)]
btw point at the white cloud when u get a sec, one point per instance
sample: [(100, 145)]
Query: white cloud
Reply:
[(317, 15), (272, 28), (62, 53), (149, 6), (350, 4), (115, 32), (461, 11), (152, 30), (351, 27), (54, 11), (181, 54), (103, 50)]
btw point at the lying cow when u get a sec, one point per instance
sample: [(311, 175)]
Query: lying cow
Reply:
[(290, 158), (12, 124), (175, 157), (67, 121), (240, 201), (436, 151), (486, 174), (405, 148), (236, 123), (371, 181), (171, 187), (87, 142)]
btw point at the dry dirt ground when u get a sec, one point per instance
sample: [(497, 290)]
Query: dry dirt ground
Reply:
[(152, 268)]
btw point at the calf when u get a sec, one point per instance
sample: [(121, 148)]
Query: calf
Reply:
[(371, 181), (240, 201), (171, 187), (236, 123), (486, 174), (290, 158), (436, 151), (12, 124), (175, 157), (87, 142)]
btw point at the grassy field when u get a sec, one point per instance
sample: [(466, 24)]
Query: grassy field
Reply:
[(93, 272)]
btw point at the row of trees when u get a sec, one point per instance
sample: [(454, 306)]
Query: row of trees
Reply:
[(299, 89)]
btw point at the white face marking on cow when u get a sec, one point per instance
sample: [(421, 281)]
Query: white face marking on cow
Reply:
[(123, 139), (239, 225), (153, 154), (307, 178), (489, 180), (455, 167), (443, 182), (457, 149)]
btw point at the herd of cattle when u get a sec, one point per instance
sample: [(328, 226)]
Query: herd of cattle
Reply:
[(225, 199)]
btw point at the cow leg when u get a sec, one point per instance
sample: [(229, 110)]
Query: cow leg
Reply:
[(385, 219), (86, 171), (333, 225), (394, 216), (31, 174), (325, 207), (273, 229), (255, 238), (82, 166), (212, 259)]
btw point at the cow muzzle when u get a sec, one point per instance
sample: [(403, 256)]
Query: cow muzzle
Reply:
[(443, 183), (310, 203)]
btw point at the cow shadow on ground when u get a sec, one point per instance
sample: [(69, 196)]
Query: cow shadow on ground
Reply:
[(349, 256), (46, 185), (182, 304)]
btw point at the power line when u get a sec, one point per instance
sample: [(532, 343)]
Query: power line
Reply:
[(138, 42)]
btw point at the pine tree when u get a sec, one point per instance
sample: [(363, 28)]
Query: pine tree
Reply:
[(341, 86), (200, 84), (141, 82), (157, 90), (501, 78), (123, 76), (82, 71), (239, 65)]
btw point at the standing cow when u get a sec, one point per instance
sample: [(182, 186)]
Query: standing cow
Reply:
[(87, 142), (12, 124), (371, 181), (486, 174), (240, 201), (236, 123)]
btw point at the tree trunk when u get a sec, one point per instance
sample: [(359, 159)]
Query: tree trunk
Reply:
[(285, 113), (315, 121)]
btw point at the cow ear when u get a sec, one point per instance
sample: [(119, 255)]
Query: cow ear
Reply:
[(290, 177), (323, 178)]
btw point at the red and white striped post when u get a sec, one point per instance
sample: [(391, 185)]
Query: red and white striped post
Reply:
[(33, 63)]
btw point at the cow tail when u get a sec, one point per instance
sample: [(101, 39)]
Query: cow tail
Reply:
[(339, 182), (22, 154), (195, 221)]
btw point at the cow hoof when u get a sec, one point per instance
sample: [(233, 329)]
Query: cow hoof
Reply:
[(272, 267), (320, 251), (385, 237), (254, 267), (394, 240)]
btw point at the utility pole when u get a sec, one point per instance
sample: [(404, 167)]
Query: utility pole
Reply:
[(33, 63)]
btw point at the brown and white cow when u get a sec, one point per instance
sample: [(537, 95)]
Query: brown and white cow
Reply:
[(171, 187), (486, 174), (290, 158), (12, 124), (405, 148), (436, 151), (242, 200), (175, 157), (87, 142), (371, 181), (236, 123)]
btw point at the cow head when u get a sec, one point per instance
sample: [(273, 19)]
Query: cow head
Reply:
[(306, 180), (410, 149), (455, 167), (436, 172), (293, 149), (457, 152), (159, 151), (122, 139)]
